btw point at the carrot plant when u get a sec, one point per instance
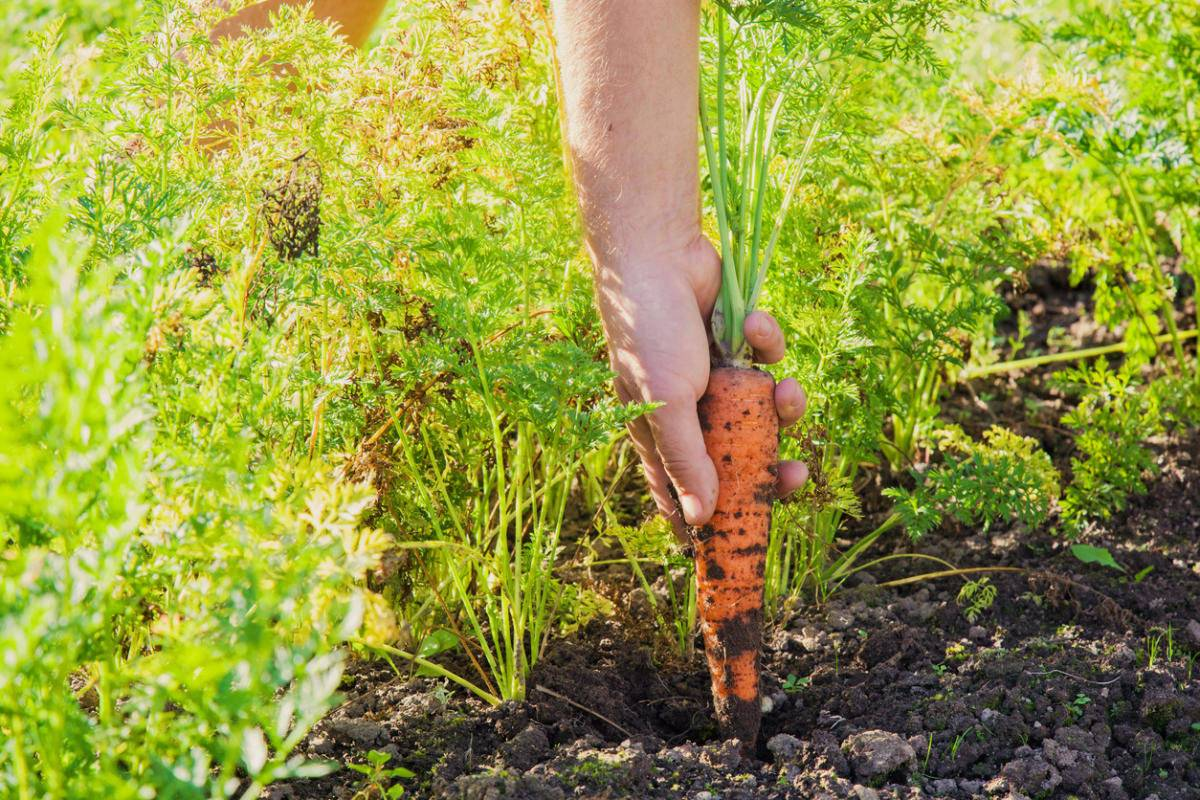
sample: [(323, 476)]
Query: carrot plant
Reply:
[(300, 348), (193, 498), (776, 73), (889, 269), (1139, 138)]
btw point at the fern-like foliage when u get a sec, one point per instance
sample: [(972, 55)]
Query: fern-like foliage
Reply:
[(1004, 477)]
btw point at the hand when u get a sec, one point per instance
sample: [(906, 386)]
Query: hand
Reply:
[(656, 313)]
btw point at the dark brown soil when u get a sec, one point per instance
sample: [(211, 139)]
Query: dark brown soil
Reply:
[(1077, 682)]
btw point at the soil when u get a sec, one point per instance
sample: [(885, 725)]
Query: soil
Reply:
[(1076, 683)]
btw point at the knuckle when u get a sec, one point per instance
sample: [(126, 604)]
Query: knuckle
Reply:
[(671, 394)]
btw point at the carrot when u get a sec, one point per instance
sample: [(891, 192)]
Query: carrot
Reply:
[(737, 411), (741, 434)]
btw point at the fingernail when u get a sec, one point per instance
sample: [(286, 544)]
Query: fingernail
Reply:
[(692, 508)]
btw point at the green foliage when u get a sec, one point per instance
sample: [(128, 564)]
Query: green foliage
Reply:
[(976, 597), (888, 277), (162, 608), (1091, 554), (779, 71), (1004, 477), (379, 780), (300, 347), (206, 436), (1111, 421)]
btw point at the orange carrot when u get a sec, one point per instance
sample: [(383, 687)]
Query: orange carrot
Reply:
[(741, 433)]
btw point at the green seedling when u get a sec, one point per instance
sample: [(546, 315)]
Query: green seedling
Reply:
[(379, 780), (795, 683)]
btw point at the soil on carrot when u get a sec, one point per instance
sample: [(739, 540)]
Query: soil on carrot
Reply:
[(1077, 682)]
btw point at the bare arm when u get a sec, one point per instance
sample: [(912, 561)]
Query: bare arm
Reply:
[(630, 71), (355, 18)]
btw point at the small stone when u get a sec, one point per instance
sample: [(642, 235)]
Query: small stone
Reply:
[(626, 765), (810, 639), (783, 746), (916, 609), (492, 786), (705, 795), (877, 753), (977, 633), (1114, 789), (1076, 738), (919, 743), (865, 793), (990, 716), (766, 704), (1193, 632), (680, 753), (320, 745)]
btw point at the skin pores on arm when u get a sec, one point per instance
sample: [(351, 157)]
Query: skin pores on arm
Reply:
[(630, 71)]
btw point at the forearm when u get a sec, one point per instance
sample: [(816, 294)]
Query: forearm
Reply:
[(355, 18), (630, 76)]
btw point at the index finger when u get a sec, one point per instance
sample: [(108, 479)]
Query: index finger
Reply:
[(765, 337)]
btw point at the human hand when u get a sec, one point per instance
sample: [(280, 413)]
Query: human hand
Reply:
[(656, 312)]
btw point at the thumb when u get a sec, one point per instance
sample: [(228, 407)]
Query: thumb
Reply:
[(680, 444)]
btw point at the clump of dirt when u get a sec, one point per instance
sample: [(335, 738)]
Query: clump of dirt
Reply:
[(204, 262), (292, 208)]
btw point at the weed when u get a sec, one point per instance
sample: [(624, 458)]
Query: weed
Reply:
[(795, 683), (1160, 646), (1004, 477), (379, 780), (975, 597), (957, 743), (1077, 707), (1112, 420)]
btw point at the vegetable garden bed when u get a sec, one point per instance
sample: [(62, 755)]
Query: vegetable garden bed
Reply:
[(1078, 682), (314, 484)]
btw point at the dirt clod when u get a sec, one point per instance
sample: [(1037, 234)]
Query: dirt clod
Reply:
[(878, 753)]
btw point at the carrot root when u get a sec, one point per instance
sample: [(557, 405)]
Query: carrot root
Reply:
[(741, 433)]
